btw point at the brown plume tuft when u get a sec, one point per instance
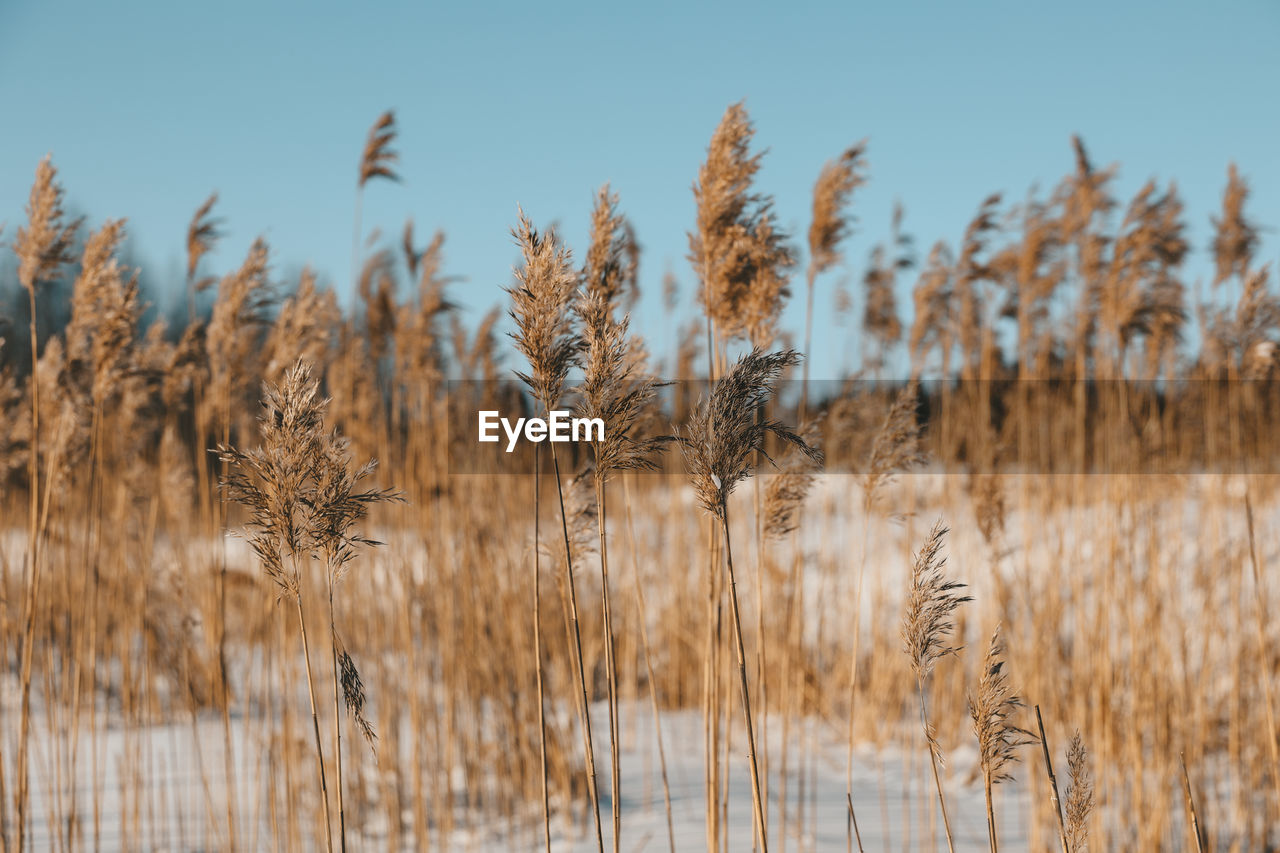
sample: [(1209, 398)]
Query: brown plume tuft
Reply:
[(378, 160), (43, 246), (724, 431)]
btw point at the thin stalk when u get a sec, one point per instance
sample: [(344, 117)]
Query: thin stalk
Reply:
[(224, 683), (337, 716), (1053, 784), (1260, 628), (761, 663), (585, 707), (991, 815), (610, 665), (537, 639), (315, 724), (853, 818), (756, 803), (32, 579), (850, 829), (808, 342), (1191, 804), (648, 664), (933, 762)]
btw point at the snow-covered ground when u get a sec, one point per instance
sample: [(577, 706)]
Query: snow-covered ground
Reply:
[(181, 805), (893, 795)]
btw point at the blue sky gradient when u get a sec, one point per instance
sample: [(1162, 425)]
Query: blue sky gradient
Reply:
[(149, 106)]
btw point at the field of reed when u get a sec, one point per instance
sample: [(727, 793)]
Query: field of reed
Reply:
[(1008, 584)]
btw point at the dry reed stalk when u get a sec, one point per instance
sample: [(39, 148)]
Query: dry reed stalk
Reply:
[(303, 500), (642, 612), (100, 343), (537, 641), (1192, 815), (992, 710), (1260, 633), (829, 225), (545, 336), (1053, 782), (233, 347), (613, 392), (718, 444), (43, 247), (926, 624), (742, 259)]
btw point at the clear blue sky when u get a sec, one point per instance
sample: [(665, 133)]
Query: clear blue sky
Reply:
[(149, 106)]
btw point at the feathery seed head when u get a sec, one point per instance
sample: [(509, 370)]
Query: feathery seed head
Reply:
[(1079, 794), (302, 496), (787, 490), (202, 235), (992, 710), (931, 603), (44, 245), (724, 431), (541, 307), (613, 388), (737, 250), (378, 160), (1235, 238), (831, 193), (612, 261)]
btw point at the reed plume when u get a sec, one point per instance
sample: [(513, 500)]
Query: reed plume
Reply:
[(992, 710), (1235, 237), (934, 324), (788, 489), (612, 264), (926, 626), (104, 316), (305, 329), (896, 446), (44, 244), (203, 233), (1140, 292), (831, 222), (419, 348), (736, 248), (233, 340), (1085, 202), (541, 308), (880, 313), (379, 159), (1079, 795), (973, 276)]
